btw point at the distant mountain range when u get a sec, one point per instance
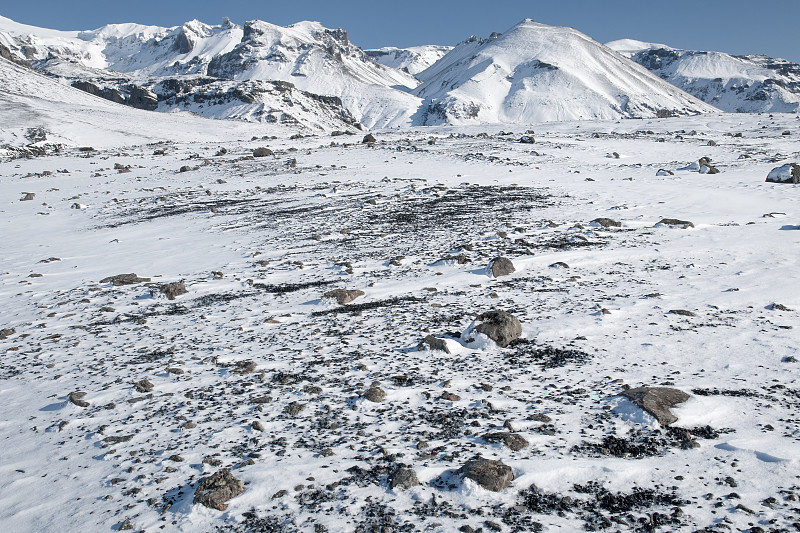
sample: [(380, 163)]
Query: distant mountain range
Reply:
[(315, 78)]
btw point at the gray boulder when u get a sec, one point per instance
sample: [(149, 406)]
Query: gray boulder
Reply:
[(657, 401), (343, 296), (436, 343), (789, 173), (501, 266), (489, 474), (403, 478), (500, 326), (213, 491)]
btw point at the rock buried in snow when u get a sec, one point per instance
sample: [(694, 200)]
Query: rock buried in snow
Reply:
[(664, 172), (683, 224), (501, 266), (403, 478), (514, 441), (681, 312), (607, 222), (489, 474), (213, 491), (789, 173), (343, 296), (657, 401), (124, 279), (436, 343), (500, 326), (28, 196), (173, 290)]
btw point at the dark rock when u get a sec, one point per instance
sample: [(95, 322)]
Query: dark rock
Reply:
[(185, 168), (213, 491), (343, 296), (559, 264), (450, 397), (681, 312), (176, 458), (6, 333), (173, 290), (403, 478), (258, 426), (500, 326), (789, 173), (368, 139), (774, 307), (489, 474), (683, 224), (294, 408), (28, 197), (375, 394), (143, 386), (501, 266), (527, 139), (76, 399), (607, 222), (657, 401), (436, 344), (514, 441), (262, 152), (664, 172), (142, 98)]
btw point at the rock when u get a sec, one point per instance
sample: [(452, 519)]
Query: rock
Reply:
[(657, 401), (173, 290), (559, 264), (500, 326), (501, 266), (142, 98), (789, 173), (213, 491), (489, 474), (176, 458), (185, 168), (703, 162), (258, 426), (28, 196), (403, 478), (76, 399), (683, 224), (262, 152), (343, 296), (368, 139), (607, 222), (143, 386), (664, 172), (527, 139), (294, 408), (6, 333), (681, 312), (436, 344), (514, 441), (124, 279), (450, 397), (774, 307), (375, 394), (709, 169)]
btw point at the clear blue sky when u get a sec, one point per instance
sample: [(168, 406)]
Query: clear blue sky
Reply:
[(735, 26)]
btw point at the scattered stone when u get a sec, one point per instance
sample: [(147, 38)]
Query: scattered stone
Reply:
[(681, 312), (262, 152), (657, 401), (489, 474), (124, 279), (514, 441), (683, 224), (607, 222), (173, 290), (501, 266), (789, 173), (500, 326), (436, 343), (343, 296), (213, 491), (76, 398), (28, 196), (403, 478), (779, 307), (375, 394)]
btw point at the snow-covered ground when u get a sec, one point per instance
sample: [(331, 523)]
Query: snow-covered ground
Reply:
[(412, 221)]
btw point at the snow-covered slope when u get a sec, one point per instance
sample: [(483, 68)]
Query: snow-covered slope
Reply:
[(535, 72), (748, 84), (412, 60)]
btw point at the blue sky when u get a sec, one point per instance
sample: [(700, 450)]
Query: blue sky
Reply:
[(734, 26)]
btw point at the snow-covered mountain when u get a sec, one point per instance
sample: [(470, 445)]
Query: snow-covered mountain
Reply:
[(745, 84), (412, 60), (535, 72)]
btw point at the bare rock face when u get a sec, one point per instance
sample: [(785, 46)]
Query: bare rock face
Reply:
[(657, 401), (501, 266), (500, 326), (489, 474), (173, 290), (343, 296), (213, 491), (403, 478)]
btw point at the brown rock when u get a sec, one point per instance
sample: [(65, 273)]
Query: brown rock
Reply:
[(375, 394), (343, 296), (213, 491), (657, 401), (173, 290), (514, 441), (124, 279)]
